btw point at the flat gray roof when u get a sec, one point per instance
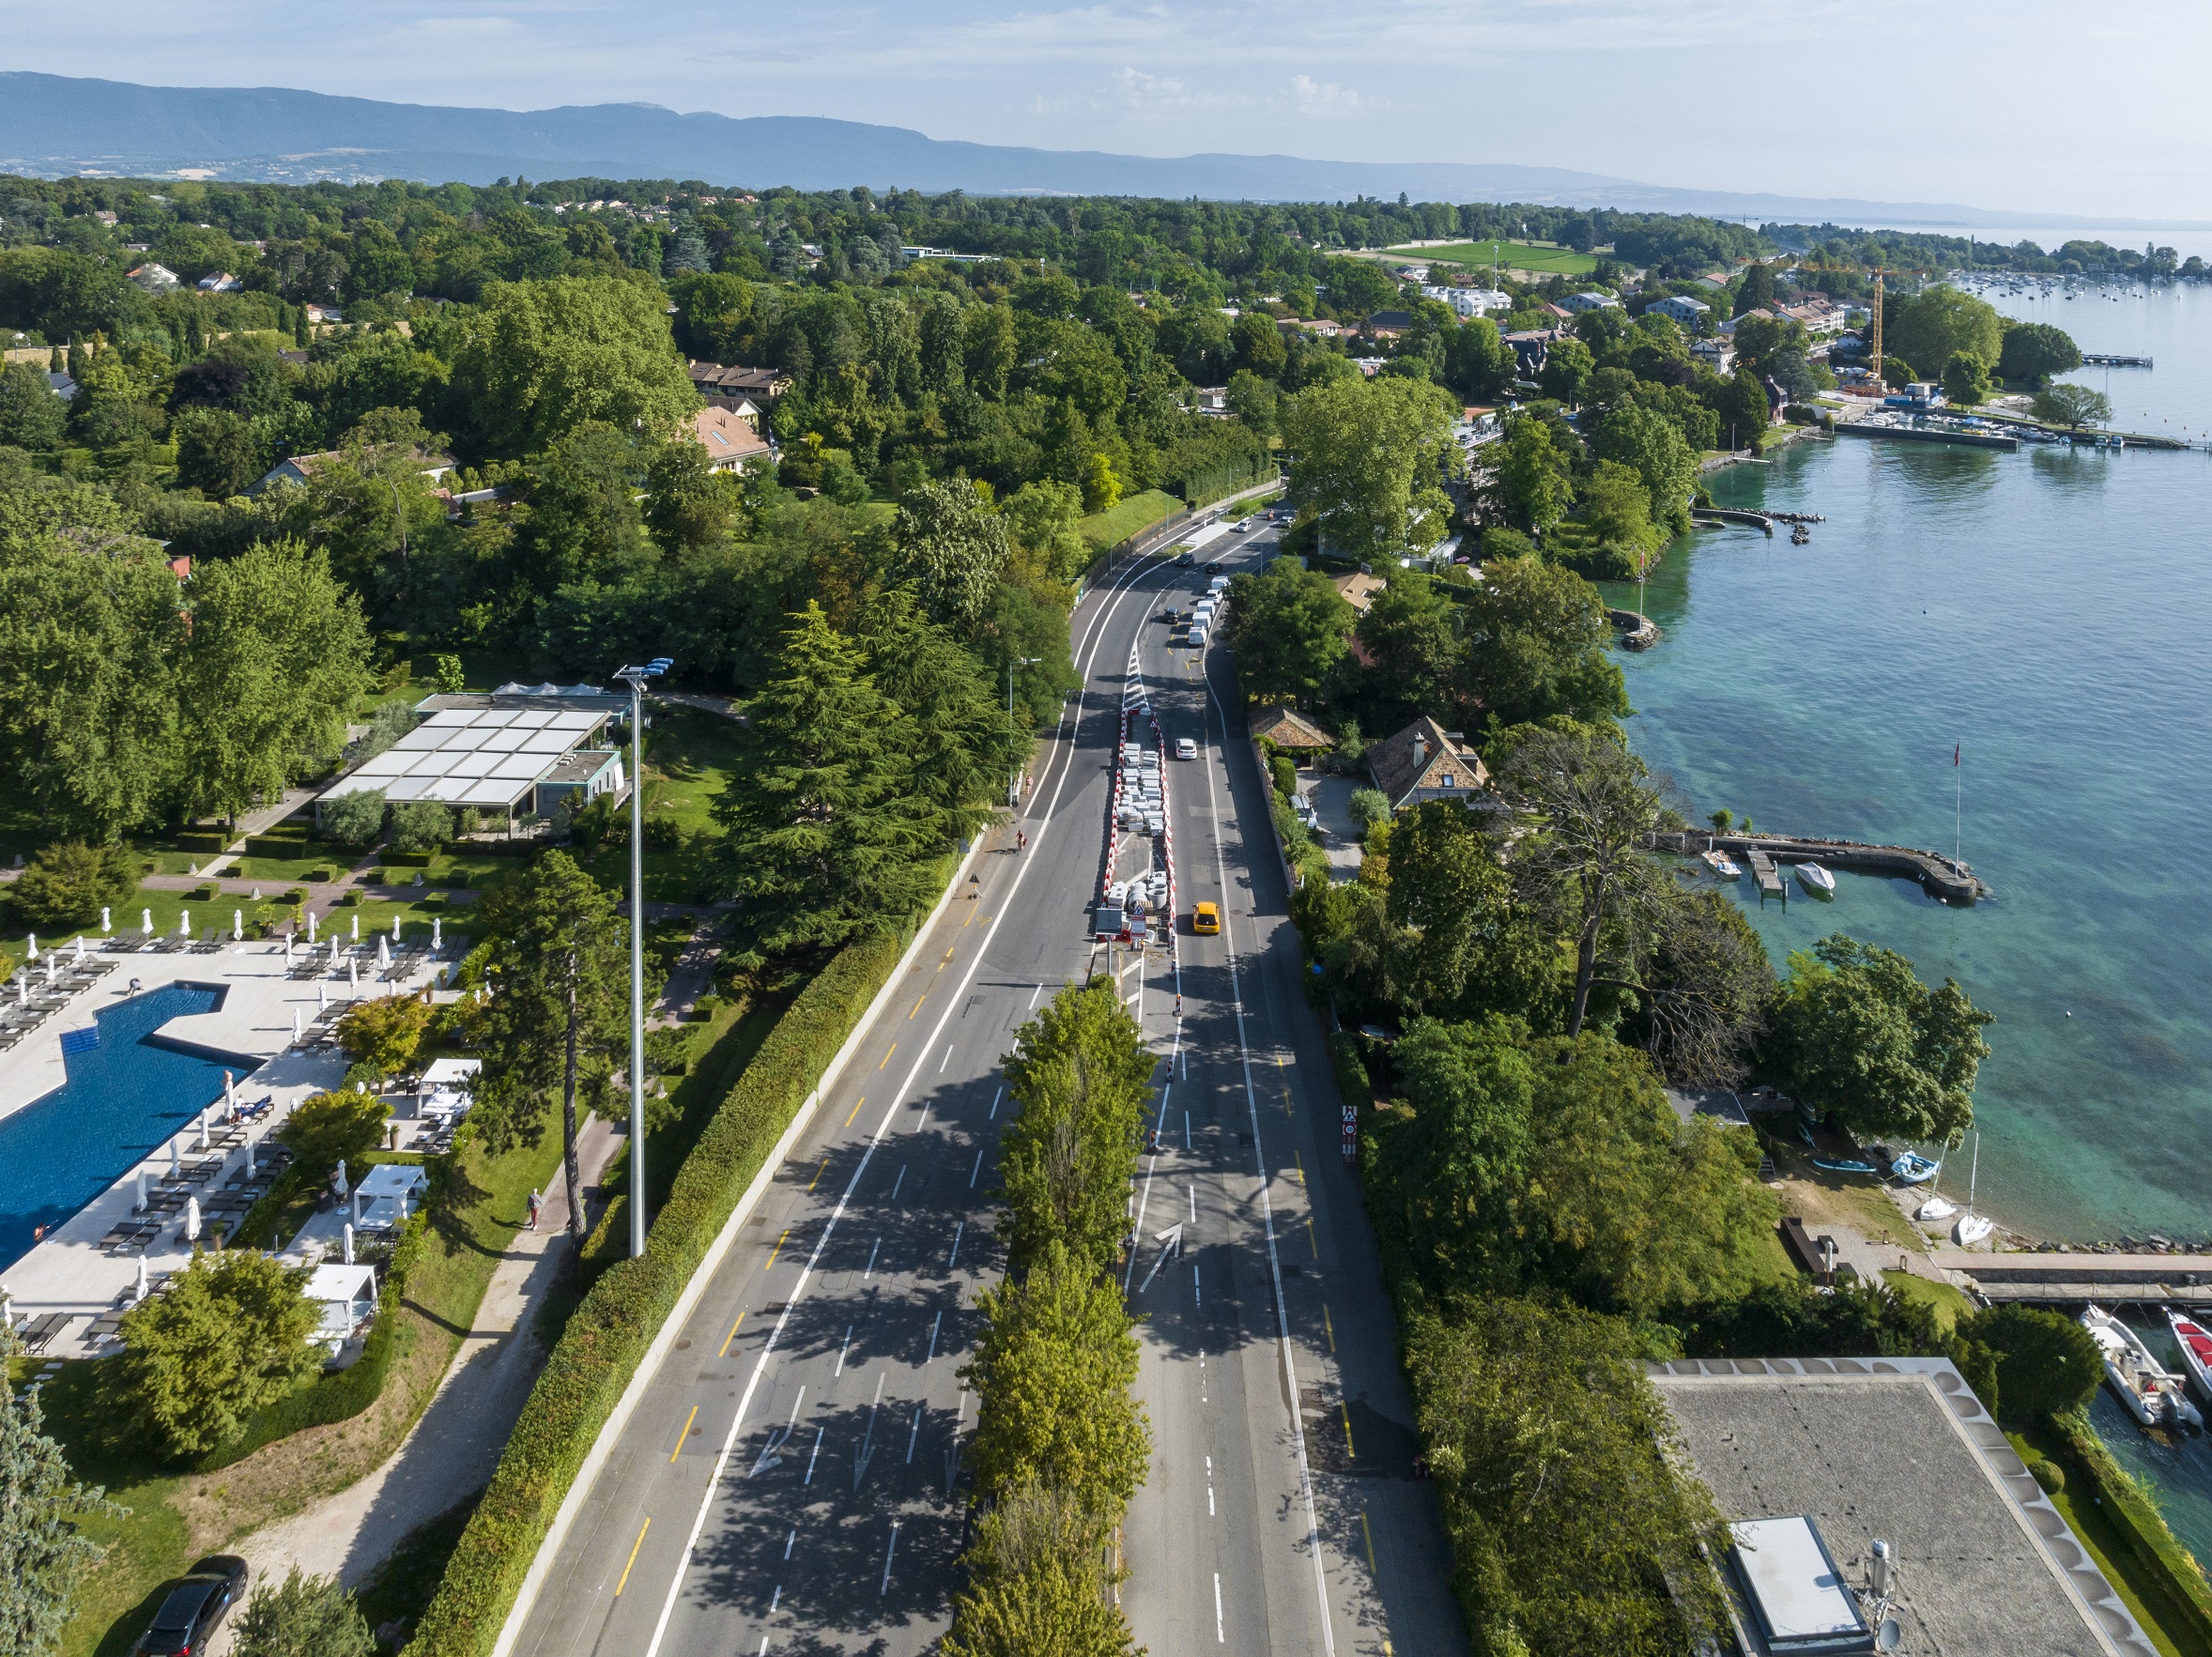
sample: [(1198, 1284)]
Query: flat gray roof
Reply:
[(482, 756), (1901, 1448)]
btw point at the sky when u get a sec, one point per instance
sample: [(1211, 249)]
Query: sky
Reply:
[(2030, 106)]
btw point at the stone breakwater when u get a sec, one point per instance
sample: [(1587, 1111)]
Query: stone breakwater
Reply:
[(1939, 876)]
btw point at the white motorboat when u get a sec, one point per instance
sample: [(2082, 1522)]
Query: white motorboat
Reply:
[(1721, 864), (1938, 1206), (1815, 880), (2195, 1341), (2152, 1392)]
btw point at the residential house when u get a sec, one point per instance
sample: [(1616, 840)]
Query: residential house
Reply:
[(1322, 328), (321, 313), (1423, 762), (1370, 366), (1384, 325), (62, 386), (1531, 347), (1818, 317), (1290, 730), (1560, 312), (760, 386), (221, 282), (729, 442), (1577, 303), (1469, 301), (153, 278), (1715, 280), (1715, 354), (1210, 400), (1681, 308), (1357, 589), (300, 467), (1730, 325)]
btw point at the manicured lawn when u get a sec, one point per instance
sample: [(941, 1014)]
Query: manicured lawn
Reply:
[(1116, 524), (177, 1515), (688, 754), (1948, 1304), (1513, 255)]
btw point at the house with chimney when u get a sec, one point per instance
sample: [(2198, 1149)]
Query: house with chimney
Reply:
[(1423, 762)]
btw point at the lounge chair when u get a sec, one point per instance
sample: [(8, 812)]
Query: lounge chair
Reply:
[(40, 1333)]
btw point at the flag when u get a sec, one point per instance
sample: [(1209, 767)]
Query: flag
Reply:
[(78, 1041)]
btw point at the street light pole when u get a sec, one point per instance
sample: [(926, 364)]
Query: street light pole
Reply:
[(634, 678), (1014, 777)]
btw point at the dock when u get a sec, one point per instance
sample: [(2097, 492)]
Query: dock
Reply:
[(1767, 875), (2108, 360), (1732, 515), (2049, 1279), (1937, 875), (1859, 428)]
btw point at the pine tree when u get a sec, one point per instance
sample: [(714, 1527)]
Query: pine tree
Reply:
[(306, 1617), (964, 746), (558, 1018), (43, 1555), (825, 836)]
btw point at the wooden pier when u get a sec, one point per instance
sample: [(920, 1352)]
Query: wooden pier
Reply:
[(1937, 875), (1768, 876), (2071, 1279)]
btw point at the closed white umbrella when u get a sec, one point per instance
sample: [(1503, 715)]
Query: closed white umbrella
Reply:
[(22, 989), (297, 1031), (322, 995), (80, 946), (138, 1289), (203, 1130), (437, 931), (146, 922), (383, 954), (338, 1179), (257, 894), (175, 1161), (395, 920), (311, 919), (353, 975), (334, 949), (139, 1206), (238, 924), (249, 1156), (348, 1237), (192, 1219), (356, 919), (34, 956), (291, 939), (107, 924), (230, 1092), (184, 922)]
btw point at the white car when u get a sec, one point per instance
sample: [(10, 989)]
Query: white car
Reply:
[(1186, 748), (1246, 527)]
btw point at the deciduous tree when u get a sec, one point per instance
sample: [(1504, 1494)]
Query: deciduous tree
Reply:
[(325, 1128), (1364, 451), (951, 547), (384, 1034), (1536, 646), (1289, 626)]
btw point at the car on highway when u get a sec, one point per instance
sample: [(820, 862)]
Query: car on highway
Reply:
[(1185, 561), (1186, 748), (1213, 569), (1207, 917), (195, 1608), (1247, 527)]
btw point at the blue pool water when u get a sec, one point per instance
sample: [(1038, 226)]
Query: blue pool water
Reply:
[(123, 1099)]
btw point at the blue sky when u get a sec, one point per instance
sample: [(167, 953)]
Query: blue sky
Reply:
[(2034, 106)]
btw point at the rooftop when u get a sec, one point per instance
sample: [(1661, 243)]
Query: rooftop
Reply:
[(1901, 1448), (482, 756)]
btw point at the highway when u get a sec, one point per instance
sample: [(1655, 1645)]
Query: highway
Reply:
[(791, 1479)]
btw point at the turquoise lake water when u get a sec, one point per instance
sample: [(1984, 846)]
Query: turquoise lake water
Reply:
[(2039, 614)]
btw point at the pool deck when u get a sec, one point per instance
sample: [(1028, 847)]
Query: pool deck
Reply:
[(67, 1271)]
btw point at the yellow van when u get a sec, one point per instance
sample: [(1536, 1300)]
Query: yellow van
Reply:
[(1207, 917)]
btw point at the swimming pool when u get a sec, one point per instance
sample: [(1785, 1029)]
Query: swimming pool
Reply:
[(123, 1099)]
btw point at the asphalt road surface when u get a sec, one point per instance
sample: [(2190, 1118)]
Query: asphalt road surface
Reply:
[(792, 1481)]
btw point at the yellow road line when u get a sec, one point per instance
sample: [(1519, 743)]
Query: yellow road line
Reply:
[(740, 1318), (887, 1058), (860, 1101), (1369, 1532), (1326, 1324), (786, 1238), (682, 1435), (632, 1559), (1345, 1410), (1310, 1239), (1302, 1166), (817, 1179), (917, 1007)]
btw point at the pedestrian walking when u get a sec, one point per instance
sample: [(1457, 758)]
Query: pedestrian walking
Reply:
[(534, 1201), (1020, 840)]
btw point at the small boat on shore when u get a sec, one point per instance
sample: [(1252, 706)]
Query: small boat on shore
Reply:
[(1972, 1227), (2152, 1392), (1938, 1206), (1815, 880), (1721, 864), (1842, 1165), (1909, 1169)]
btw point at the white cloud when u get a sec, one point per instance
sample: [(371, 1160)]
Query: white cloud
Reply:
[(1316, 98)]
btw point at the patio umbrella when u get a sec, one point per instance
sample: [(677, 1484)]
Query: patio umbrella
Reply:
[(146, 922), (34, 956), (437, 929), (176, 1163), (50, 967), (184, 922), (396, 919), (257, 894), (249, 1156), (296, 1031), (353, 975), (138, 1289), (356, 919), (230, 1094), (347, 1235), (7, 1308), (80, 946), (238, 924), (203, 1130), (334, 949), (311, 926), (139, 1206), (338, 1179), (22, 989), (291, 939), (192, 1219), (322, 995), (106, 923), (383, 954), (356, 1201)]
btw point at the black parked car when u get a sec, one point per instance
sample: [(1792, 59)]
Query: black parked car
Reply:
[(195, 1608), (1185, 561), (1214, 569)]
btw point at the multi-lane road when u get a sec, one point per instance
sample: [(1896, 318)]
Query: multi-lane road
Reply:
[(791, 1477)]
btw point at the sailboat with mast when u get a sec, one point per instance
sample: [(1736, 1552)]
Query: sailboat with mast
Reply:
[(1971, 1227)]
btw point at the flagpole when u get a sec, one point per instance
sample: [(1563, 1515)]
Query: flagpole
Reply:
[(1957, 805)]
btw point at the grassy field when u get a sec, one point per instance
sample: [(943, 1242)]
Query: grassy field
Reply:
[(176, 1516), (1948, 1304), (1115, 525), (1543, 256), (688, 754)]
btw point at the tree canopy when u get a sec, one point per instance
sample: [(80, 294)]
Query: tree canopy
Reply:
[(1369, 459), (227, 1336), (1289, 627)]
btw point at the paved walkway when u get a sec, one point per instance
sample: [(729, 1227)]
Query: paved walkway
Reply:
[(259, 822), (452, 1448)]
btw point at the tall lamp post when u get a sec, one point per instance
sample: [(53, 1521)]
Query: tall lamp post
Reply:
[(1014, 777), (634, 678)]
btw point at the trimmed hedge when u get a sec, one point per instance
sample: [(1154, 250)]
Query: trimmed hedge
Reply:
[(193, 840), (607, 1337), (278, 845), (409, 859), (1132, 516), (2137, 1518)]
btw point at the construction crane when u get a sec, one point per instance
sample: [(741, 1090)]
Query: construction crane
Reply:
[(1874, 340)]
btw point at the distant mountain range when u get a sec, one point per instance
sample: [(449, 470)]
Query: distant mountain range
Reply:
[(53, 126)]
